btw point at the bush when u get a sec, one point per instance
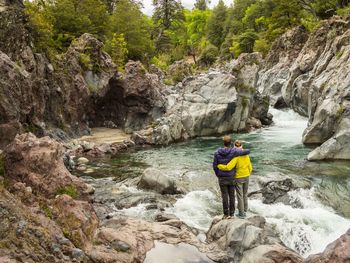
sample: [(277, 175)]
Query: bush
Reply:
[(209, 55), (162, 61), (262, 46), (70, 190)]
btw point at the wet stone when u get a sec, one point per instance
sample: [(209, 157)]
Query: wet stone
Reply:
[(120, 246), (77, 253)]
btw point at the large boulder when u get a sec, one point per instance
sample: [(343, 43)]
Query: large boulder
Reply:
[(336, 252), (275, 69), (77, 220), (39, 164), (249, 240), (213, 103), (155, 180)]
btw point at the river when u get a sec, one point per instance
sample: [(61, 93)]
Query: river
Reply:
[(276, 152)]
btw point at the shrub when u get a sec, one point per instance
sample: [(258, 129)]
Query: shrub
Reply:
[(85, 61), (70, 190), (209, 55)]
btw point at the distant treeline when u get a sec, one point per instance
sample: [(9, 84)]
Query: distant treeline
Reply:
[(173, 32)]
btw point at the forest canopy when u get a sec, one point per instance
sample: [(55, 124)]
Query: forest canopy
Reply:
[(173, 32)]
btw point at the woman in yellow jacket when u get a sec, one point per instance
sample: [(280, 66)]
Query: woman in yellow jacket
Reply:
[(243, 168)]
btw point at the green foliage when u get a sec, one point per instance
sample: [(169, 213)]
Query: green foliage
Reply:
[(162, 61), (70, 190), (128, 21), (262, 45), (196, 22), (201, 5), (209, 54), (173, 32), (85, 61), (247, 41), (216, 24), (47, 211), (116, 46), (343, 11), (339, 54), (41, 24)]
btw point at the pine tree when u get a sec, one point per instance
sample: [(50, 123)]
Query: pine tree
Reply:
[(216, 24), (201, 5)]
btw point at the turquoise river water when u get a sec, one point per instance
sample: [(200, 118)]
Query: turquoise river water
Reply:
[(276, 152)]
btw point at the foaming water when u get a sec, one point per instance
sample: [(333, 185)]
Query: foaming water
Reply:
[(197, 209), (276, 152), (307, 230)]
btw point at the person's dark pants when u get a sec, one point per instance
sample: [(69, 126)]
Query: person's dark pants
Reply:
[(242, 194), (228, 195)]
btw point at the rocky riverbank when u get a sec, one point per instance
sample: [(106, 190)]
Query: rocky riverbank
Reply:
[(60, 222)]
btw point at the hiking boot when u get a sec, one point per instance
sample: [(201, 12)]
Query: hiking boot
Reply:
[(241, 216)]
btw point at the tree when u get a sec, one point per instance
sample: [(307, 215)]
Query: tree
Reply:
[(72, 18), (196, 21), (116, 46), (168, 19), (246, 41), (201, 5), (136, 31), (166, 12), (216, 24)]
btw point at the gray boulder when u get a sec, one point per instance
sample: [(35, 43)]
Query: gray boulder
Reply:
[(250, 241), (155, 180)]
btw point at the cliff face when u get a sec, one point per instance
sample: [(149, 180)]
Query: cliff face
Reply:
[(220, 101), (312, 77), (72, 92)]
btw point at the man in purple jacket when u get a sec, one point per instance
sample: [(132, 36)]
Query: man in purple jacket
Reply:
[(226, 178)]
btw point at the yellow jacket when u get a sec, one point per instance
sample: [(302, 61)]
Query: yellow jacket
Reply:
[(241, 163)]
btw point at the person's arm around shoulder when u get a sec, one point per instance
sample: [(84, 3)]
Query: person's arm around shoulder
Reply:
[(228, 167), (242, 152)]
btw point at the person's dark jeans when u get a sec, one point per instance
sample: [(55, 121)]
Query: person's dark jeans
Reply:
[(228, 195)]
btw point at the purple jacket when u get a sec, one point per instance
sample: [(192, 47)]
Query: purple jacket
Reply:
[(225, 155)]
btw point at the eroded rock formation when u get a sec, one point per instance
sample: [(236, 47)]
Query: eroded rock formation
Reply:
[(310, 75)]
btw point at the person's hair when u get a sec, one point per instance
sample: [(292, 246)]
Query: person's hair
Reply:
[(238, 143), (227, 140)]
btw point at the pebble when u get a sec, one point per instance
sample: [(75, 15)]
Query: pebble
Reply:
[(82, 160), (89, 171)]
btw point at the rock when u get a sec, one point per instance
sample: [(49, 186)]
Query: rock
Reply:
[(336, 252), (275, 69), (274, 191), (179, 70), (38, 163), (309, 74), (162, 217), (270, 253), (153, 179), (120, 246), (213, 103), (77, 253), (37, 233), (77, 219), (68, 162), (82, 160), (336, 147), (249, 241)]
